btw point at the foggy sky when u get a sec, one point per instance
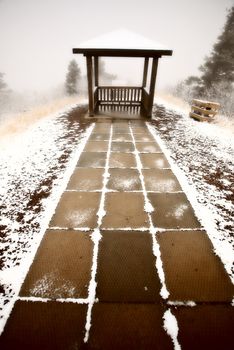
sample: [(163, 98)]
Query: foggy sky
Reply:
[(37, 37)]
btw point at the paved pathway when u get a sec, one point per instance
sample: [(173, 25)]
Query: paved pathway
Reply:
[(120, 252)]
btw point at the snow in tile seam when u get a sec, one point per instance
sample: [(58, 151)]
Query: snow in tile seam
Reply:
[(221, 248), (96, 237), (171, 327), (189, 303), (57, 300), (26, 262), (149, 209)]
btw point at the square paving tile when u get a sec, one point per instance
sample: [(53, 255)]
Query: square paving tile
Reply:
[(139, 129), (192, 270), (144, 137), (122, 160), (148, 147), (123, 130), (205, 327), (122, 137), (96, 146), (92, 159), (122, 147), (172, 210), (160, 180), (86, 179), (154, 161), (124, 180), (102, 128), (62, 266), (47, 326), (99, 137), (124, 210), (126, 268), (128, 326), (76, 209)]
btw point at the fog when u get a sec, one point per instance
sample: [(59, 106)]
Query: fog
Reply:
[(37, 37)]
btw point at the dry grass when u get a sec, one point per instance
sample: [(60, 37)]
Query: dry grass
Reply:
[(18, 123)]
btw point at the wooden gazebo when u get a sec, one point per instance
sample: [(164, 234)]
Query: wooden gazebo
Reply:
[(121, 43)]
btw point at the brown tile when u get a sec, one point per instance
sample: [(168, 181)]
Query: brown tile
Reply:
[(76, 209), (92, 159), (172, 210), (62, 266), (48, 326), (122, 137), (122, 147), (86, 179), (148, 147), (128, 326), (96, 146), (124, 210), (122, 160), (160, 180), (154, 161), (120, 129), (124, 180), (192, 270), (126, 268), (139, 129), (144, 137), (205, 327), (99, 137), (102, 128)]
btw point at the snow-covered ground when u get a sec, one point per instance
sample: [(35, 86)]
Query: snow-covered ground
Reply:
[(34, 166), (204, 156)]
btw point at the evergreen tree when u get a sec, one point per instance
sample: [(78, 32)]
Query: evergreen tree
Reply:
[(219, 66), (3, 85), (72, 78), (107, 77)]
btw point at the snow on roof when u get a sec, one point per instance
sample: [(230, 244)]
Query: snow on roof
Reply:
[(122, 39)]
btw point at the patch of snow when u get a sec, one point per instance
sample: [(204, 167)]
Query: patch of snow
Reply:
[(171, 327), (182, 303)]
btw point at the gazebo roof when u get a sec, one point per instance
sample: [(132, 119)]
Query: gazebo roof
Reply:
[(122, 43)]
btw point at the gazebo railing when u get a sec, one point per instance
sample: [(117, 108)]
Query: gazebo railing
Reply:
[(119, 95)]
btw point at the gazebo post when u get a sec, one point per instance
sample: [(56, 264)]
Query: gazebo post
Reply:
[(90, 83), (96, 70), (152, 85), (145, 72)]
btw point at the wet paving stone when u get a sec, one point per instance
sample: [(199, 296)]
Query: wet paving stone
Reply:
[(122, 160), (122, 137), (86, 179), (172, 210), (128, 326), (92, 159), (62, 266), (99, 137), (76, 209), (122, 147), (126, 268), (192, 270), (154, 161), (144, 137), (148, 147), (47, 326), (124, 210), (96, 146), (160, 180), (205, 327), (124, 180)]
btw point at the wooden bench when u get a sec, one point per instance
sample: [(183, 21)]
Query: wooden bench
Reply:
[(204, 110)]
